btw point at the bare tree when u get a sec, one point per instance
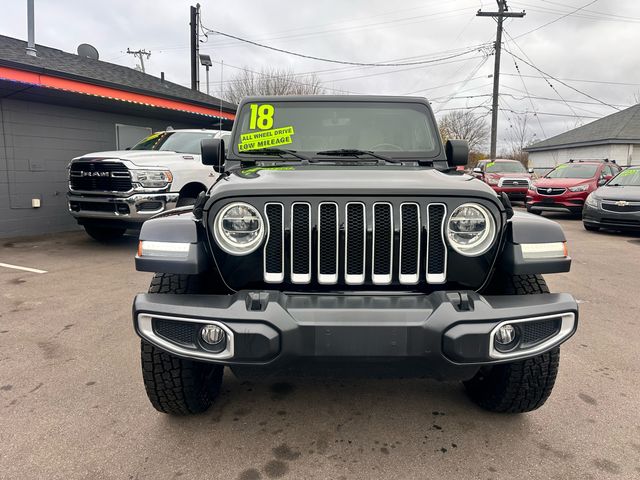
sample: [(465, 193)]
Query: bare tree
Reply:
[(271, 81), (518, 137), (465, 125)]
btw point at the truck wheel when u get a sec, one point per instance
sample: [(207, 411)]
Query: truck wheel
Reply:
[(104, 234), (174, 385), (523, 385)]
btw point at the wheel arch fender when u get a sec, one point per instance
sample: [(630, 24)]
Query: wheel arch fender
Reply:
[(526, 228), (173, 244)]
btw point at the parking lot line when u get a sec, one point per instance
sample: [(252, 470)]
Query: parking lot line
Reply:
[(18, 267)]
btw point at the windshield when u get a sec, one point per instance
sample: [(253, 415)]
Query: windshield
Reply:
[(626, 178), (505, 167), (399, 129), (180, 142), (573, 170)]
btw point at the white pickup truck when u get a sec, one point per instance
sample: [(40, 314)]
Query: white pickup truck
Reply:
[(110, 192)]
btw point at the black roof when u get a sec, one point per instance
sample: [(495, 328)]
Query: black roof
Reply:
[(62, 64)]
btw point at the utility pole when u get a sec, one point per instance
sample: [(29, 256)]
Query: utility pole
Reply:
[(139, 54), (501, 14), (194, 33)]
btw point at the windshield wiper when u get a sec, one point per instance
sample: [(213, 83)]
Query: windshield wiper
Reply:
[(354, 152), (279, 152)]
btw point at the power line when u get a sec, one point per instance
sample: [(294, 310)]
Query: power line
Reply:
[(560, 81), (557, 19), (602, 82), (341, 62)]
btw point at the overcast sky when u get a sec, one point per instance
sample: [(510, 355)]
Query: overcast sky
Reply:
[(594, 50)]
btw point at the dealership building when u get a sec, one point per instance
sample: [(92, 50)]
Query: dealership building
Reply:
[(614, 137), (56, 105)]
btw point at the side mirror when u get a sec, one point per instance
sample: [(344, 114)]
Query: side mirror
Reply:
[(213, 153), (530, 170), (477, 170), (603, 180), (457, 152)]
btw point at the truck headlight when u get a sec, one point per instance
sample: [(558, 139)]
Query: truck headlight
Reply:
[(238, 228), (471, 229), (151, 178), (591, 200), (578, 188)]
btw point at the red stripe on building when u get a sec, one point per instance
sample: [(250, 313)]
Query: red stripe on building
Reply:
[(76, 86)]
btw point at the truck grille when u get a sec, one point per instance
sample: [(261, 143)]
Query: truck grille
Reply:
[(513, 182), (355, 243), (103, 176)]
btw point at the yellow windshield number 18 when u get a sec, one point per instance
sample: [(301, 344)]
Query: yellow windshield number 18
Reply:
[(261, 117)]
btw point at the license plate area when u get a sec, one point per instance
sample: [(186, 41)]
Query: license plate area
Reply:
[(345, 341)]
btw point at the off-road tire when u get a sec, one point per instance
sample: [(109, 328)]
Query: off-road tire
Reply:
[(104, 234), (175, 385), (523, 385), (590, 228)]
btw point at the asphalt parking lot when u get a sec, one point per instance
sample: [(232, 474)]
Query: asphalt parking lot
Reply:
[(72, 403)]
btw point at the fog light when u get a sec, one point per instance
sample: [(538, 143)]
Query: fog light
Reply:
[(505, 335), (212, 334)]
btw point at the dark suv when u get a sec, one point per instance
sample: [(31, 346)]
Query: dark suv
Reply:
[(566, 187), (340, 238)]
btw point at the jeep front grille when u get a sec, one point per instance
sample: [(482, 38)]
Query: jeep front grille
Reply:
[(102, 176), (355, 243)]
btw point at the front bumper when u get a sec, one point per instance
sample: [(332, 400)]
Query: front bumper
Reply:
[(516, 193), (569, 201), (598, 217), (450, 333), (135, 208)]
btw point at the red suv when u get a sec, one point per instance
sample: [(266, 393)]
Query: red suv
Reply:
[(566, 187), (508, 176)]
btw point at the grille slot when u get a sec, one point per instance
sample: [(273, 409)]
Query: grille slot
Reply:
[(99, 176), (514, 182), (300, 243), (355, 243), (536, 332), (328, 243), (382, 255), (549, 191), (409, 243), (178, 332), (630, 207), (274, 248), (436, 248)]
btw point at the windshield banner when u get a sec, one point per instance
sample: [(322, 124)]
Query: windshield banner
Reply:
[(265, 139)]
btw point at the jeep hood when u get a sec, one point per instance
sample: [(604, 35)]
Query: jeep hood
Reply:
[(349, 181)]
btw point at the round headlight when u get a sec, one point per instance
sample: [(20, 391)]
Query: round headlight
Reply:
[(238, 229), (471, 229)]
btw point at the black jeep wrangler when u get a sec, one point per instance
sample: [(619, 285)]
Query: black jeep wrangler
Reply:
[(340, 237)]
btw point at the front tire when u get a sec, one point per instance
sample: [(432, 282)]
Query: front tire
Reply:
[(590, 228), (523, 385), (175, 385), (535, 212), (104, 234)]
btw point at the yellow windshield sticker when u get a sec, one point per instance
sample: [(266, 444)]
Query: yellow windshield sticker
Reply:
[(265, 139), (564, 165), (626, 173), (490, 164)]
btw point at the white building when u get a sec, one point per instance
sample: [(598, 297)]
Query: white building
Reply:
[(614, 137)]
